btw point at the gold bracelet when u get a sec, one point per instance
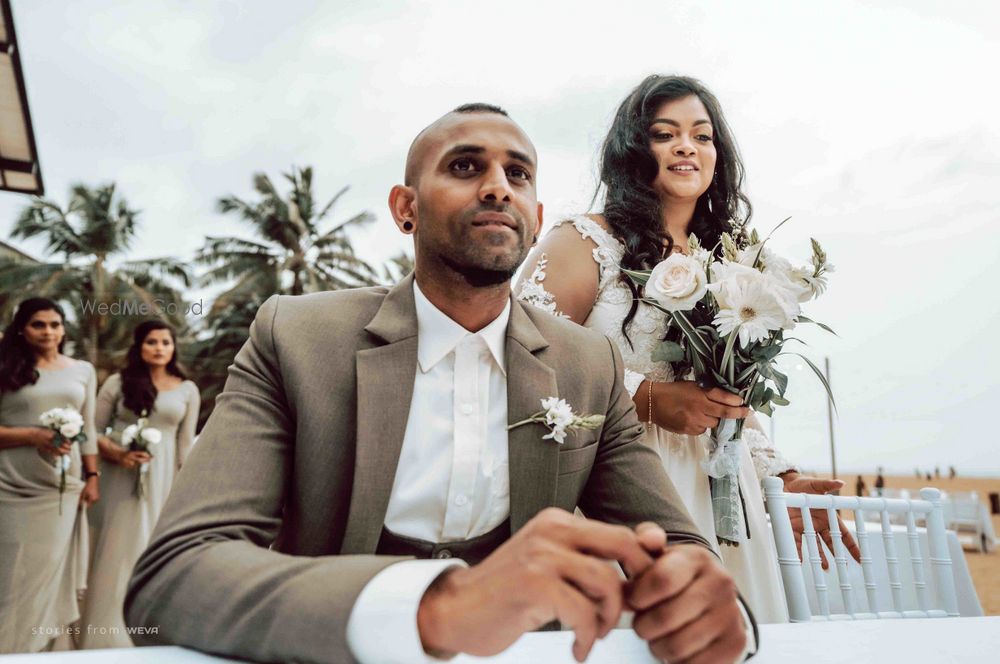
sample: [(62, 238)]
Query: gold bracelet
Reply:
[(649, 398)]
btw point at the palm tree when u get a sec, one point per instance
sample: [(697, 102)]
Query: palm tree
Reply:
[(84, 242), (292, 253)]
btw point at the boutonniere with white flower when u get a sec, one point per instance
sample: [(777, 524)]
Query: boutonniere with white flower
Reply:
[(140, 437), (68, 425), (559, 417)]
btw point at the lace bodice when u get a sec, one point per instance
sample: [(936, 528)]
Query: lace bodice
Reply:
[(645, 330), (614, 299)]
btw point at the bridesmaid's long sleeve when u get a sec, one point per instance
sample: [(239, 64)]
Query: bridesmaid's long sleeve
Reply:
[(89, 447), (185, 432), (107, 397)]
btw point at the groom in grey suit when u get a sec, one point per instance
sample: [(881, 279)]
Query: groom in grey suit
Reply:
[(357, 495)]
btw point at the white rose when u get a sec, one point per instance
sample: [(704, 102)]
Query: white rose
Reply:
[(128, 435), (70, 429), (678, 283), (151, 436)]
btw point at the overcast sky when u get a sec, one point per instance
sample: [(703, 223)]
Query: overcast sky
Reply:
[(874, 125)]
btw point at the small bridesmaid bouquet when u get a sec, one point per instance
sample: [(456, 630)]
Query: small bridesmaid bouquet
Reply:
[(140, 437), (68, 424), (557, 415)]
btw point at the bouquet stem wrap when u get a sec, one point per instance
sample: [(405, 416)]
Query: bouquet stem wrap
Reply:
[(723, 469)]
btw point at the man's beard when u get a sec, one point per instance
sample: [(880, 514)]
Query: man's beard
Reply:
[(481, 277)]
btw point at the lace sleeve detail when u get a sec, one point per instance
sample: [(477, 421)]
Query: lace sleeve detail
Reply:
[(767, 461), (633, 379), (533, 291)]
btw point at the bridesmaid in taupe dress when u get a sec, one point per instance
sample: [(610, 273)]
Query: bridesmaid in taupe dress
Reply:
[(122, 524), (43, 553)]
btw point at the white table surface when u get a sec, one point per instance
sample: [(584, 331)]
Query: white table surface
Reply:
[(925, 641)]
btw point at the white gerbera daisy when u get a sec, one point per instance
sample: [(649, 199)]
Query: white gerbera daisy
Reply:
[(749, 303)]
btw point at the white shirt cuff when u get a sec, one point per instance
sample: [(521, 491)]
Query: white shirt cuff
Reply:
[(388, 605), (751, 647)]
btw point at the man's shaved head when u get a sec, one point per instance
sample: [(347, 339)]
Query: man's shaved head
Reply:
[(418, 149)]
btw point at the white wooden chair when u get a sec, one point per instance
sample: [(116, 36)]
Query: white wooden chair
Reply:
[(962, 513), (939, 604)]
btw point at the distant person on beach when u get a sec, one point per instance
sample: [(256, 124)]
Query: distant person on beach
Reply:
[(859, 486), (880, 482), (951, 472), (916, 471), (928, 477), (937, 472)]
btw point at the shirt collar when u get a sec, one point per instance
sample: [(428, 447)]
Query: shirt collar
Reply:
[(437, 334)]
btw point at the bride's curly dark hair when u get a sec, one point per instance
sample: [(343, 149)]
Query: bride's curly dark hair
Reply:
[(628, 168)]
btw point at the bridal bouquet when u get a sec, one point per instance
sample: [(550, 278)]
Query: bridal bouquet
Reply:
[(68, 426), (140, 437), (728, 321)]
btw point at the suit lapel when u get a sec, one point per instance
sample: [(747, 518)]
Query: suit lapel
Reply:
[(385, 376), (533, 462)]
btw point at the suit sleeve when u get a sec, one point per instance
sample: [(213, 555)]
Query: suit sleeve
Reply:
[(628, 484), (208, 579)]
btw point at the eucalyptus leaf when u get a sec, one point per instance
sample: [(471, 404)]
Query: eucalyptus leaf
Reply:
[(668, 351), (780, 401), (780, 381), (766, 353)]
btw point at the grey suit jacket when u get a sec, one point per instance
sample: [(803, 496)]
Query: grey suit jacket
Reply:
[(271, 528)]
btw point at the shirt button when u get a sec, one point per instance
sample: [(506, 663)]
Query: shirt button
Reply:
[(467, 409), (461, 501), (443, 554)]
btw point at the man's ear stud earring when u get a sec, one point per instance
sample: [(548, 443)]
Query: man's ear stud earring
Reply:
[(407, 226)]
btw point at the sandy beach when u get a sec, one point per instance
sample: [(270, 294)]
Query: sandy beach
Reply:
[(984, 567)]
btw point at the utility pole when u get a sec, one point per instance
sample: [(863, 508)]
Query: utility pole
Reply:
[(829, 418)]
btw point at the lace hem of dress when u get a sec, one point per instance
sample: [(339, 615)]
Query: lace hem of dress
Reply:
[(534, 293), (767, 461)]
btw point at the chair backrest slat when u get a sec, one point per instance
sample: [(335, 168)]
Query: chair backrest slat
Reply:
[(866, 560), (788, 557), (940, 558), (892, 562), (819, 579), (917, 562), (840, 556)]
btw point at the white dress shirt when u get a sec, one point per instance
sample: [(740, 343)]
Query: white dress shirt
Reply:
[(451, 481)]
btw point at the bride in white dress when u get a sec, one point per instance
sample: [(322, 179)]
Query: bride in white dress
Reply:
[(670, 168)]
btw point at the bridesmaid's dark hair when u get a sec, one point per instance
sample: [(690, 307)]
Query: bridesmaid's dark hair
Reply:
[(628, 169), (138, 391), (17, 359)]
